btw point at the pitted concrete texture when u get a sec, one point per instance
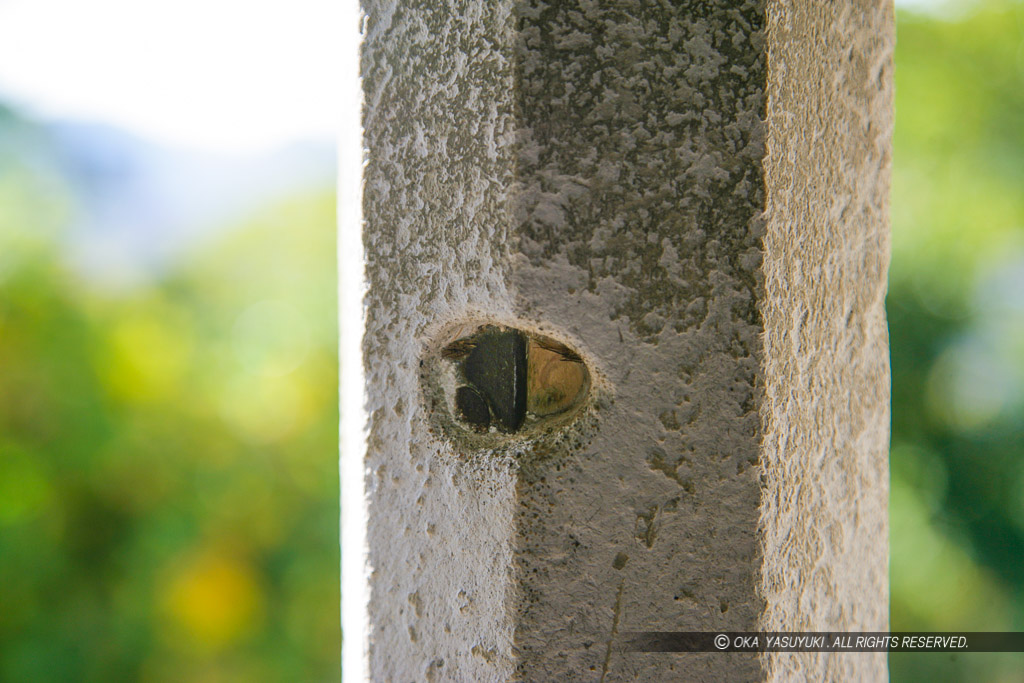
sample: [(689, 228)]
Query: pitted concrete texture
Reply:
[(599, 172), (641, 143), (440, 136), (824, 512)]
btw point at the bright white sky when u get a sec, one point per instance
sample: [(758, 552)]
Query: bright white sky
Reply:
[(230, 75), (227, 75)]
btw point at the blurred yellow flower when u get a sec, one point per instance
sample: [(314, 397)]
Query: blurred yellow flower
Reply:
[(214, 599)]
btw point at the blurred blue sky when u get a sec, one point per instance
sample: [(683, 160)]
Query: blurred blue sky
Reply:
[(168, 118)]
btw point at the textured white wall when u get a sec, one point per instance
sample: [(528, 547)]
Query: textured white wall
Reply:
[(598, 173), (440, 134), (824, 512)]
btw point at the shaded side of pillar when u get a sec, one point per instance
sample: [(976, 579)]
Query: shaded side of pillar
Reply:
[(641, 150), (826, 371)]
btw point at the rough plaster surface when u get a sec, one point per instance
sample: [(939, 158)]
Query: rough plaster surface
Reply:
[(638, 221), (596, 172), (439, 132), (826, 372)]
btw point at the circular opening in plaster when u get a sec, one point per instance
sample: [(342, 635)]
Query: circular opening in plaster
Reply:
[(499, 381)]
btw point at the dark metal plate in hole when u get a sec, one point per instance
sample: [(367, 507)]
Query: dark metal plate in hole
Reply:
[(472, 408), (510, 375)]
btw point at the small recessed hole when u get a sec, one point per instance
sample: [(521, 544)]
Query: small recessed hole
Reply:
[(507, 380)]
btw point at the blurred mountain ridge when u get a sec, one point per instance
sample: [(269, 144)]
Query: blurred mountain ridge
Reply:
[(137, 203)]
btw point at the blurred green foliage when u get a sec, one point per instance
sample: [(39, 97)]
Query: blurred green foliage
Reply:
[(956, 318), (168, 454)]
